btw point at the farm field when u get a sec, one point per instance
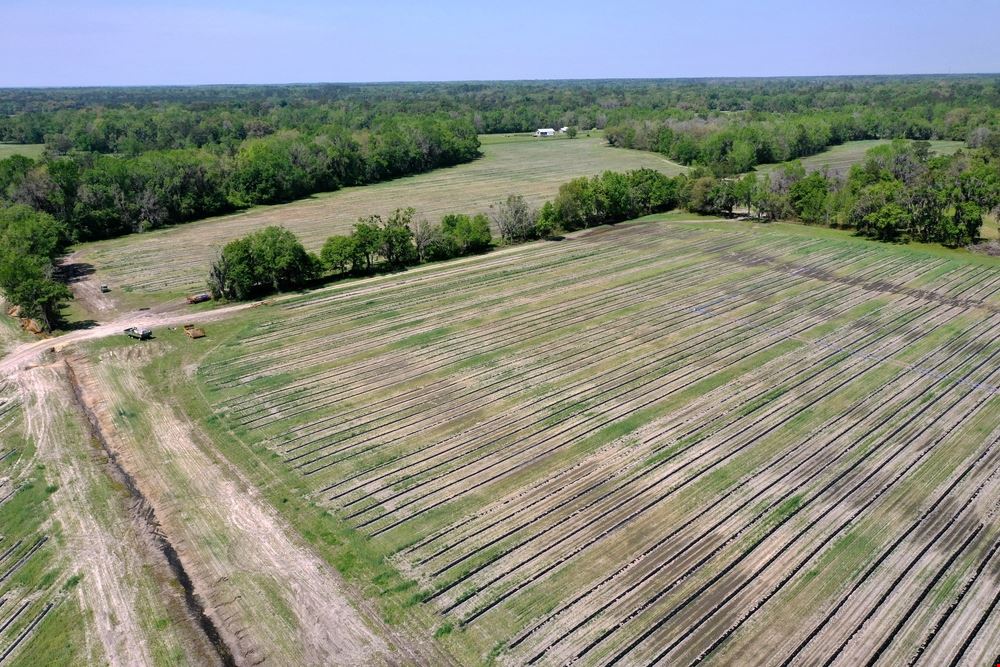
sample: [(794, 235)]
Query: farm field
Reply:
[(27, 541), (662, 442), (76, 585), (177, 260), (33, 151), (839, 159)]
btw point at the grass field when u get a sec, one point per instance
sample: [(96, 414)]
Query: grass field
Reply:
[(659, 442), (840, 158), (177, 260), (991, 227), (33, 151)]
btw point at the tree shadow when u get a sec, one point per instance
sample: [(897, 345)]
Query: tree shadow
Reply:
[(75, 325), (75, 272)]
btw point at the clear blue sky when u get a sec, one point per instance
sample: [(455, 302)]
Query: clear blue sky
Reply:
[(129, 42)]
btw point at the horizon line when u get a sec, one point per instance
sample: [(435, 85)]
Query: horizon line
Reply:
[(774, 77)]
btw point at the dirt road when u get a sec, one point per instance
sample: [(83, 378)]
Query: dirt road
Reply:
[(26, 354)]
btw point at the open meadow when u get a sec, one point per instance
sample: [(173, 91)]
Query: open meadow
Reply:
[(34, 151), (839, 159), (177, 259), (661, 442)]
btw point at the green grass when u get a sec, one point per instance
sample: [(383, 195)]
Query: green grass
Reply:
[(841, 158), (172, 261), (517, 137), (27, 516), (34, 151), (58, 640)]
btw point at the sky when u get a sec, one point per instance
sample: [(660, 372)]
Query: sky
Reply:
[(147, 42)]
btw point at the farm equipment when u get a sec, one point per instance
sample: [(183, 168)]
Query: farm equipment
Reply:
[(191, 331), (199, 298), (139, 333)]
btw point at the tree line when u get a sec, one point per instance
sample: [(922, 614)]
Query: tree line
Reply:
[(29, 244), (123, 120), (729, 145), (119, 160), (274, 260), (900, 192), (100, 196)]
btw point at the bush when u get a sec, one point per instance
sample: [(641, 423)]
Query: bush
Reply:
[(471, 234)]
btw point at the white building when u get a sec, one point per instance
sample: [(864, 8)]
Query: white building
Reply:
[(563, 130), (545, 132)]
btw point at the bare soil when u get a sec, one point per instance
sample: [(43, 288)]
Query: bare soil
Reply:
[(105, 540), (227, 536)]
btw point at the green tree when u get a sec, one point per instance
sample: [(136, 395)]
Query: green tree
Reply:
[(261, 173), (722, 197), (267, 261), (340, 254), (397, 239), (808, 197), (471, 234), (29, 242), (746, 190), (367, 236), (700, 195), (576, 204), (886, 223)]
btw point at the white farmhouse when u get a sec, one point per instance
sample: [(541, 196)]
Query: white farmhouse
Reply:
[(545, 132)]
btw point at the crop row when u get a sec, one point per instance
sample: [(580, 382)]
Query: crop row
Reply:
[(692, 445)]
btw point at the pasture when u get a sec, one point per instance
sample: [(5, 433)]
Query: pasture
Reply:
[(34, 151), (177, 259), (661, 442), (839, 159)]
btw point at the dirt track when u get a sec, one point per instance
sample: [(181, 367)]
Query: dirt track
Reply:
[(27, 354), (123, 579), (228, 538)]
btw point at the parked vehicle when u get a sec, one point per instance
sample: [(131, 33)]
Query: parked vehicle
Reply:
[(139, 333)]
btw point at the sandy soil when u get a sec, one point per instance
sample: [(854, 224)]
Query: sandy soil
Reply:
[(111, 555), (227, 536)]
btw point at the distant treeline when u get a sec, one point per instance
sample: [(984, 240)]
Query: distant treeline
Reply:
[(100, 196), (126, 159), (144, 118), (735, 144)]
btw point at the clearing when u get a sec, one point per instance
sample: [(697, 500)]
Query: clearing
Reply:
[(840, 158), (176, 260), (34, 151)]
